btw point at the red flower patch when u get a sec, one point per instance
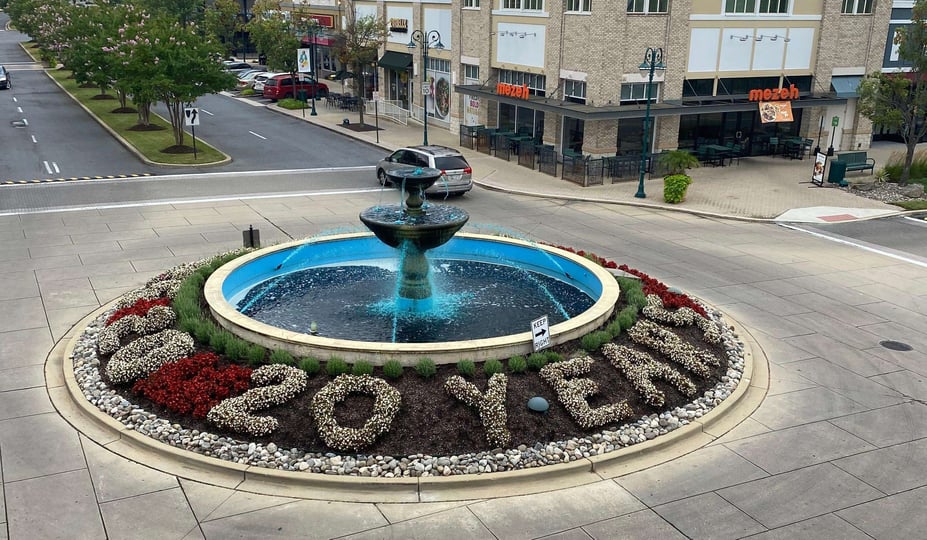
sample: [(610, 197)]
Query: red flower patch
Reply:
[(194, 385), (140, 308), (671, 300)]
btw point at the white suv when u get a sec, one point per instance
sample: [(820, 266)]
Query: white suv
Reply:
[(456, 174)]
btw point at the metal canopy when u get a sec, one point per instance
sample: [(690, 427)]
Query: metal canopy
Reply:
[(395, 60)]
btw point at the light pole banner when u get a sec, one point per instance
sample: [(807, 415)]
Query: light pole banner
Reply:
[(303, 61)]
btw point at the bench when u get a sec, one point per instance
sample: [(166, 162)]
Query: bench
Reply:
[(857, 161)]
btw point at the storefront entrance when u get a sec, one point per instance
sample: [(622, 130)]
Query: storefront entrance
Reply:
[(738, 127)]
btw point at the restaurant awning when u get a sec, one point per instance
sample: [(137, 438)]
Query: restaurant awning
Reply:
[(395, 60), (846, 86), (618, 112)]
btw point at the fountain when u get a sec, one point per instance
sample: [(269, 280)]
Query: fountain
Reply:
[(415, 287), (414, 231)]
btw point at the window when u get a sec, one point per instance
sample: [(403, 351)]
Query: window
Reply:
[(437, 64), (526, 5), (471, 3), (648, 6), (750, 7), (637, 92), (574, 91), (536, 83), (857, 6), (579, 5), (471, 72)]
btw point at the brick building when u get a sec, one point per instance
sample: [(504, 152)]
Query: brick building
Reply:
[(568, 73)]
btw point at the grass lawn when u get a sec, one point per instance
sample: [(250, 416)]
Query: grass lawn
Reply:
[(148, 143)]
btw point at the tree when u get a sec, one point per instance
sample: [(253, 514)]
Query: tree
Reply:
[(897, 101), (221, 21), (358, 45), (273, 34), (183, 11)]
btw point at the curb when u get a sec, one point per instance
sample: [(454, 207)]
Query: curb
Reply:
[(68, 399)]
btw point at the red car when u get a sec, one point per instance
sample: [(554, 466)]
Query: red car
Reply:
[(282, 86)]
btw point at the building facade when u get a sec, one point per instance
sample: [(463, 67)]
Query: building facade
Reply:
[(568, 73)]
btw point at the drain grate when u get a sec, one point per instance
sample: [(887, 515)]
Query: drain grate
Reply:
[(896, 345)]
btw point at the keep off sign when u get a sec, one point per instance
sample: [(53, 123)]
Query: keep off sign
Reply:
[(540, 333)]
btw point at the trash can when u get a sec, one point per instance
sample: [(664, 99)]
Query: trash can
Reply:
[(302, 95), (837, 173), (262, 59)]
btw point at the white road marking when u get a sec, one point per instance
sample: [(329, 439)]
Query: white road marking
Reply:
[(901, 256), (15, 100), (919, 221), (19, 110), (55, 165), (33, 139), (204, 111), (25, 122), (258, 136), (47, 167)]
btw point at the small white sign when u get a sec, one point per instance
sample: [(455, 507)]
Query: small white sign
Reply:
[(191, 116), (426, 90), (540, 333), (376, 96)]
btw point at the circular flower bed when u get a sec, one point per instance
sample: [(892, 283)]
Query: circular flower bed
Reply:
[(158, 365)]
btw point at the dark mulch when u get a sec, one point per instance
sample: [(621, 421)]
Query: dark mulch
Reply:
[(103, 97), (86, 84), (143, 127), (124, 110), (431, 422), (360, 127), (178, 149)]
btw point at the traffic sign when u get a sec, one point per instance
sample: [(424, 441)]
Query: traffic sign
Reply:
[(540, 333), (835, 121), (191, 116)]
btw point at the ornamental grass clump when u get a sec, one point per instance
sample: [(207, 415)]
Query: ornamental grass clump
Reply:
[(593, 341), (426, 368), (255, 355), (336, 366), (536, 361), (392, 369), (491, 367), (466, 368), (279, 356), (518, 364), (310, 365), (362, 367)]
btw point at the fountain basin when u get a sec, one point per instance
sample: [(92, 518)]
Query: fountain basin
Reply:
[(228, 283)]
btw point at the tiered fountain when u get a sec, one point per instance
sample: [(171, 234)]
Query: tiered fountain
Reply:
[(415, 289)]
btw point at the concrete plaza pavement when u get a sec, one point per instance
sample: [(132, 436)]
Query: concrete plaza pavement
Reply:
[(837, 449)]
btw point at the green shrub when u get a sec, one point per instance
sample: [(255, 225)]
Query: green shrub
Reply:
[(362, 367), (236, 349), (895, 165), (292, 104), (674, 187), (613, 329), (426, 368), (677, 161), (553, 357), (392, 369), (336, 366), (637, 298), (536, 361), (279, 356), (466, 368), (219, 340), (518, 364), (627, 318), (310, 365), (593, 341), (247, 92), (202, 330), (491, 367), (255, 354)]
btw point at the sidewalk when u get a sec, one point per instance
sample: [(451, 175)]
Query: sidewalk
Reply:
[(756, 188)]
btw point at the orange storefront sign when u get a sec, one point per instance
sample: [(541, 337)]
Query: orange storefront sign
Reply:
[(774, 94), (512, 90)]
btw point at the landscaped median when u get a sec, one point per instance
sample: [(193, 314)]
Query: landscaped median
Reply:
[(148, 142)]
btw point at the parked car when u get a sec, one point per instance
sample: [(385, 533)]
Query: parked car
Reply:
[(5, 80), (246, 79), (236, 67), (258, 83), (283, 86), (456, 174)]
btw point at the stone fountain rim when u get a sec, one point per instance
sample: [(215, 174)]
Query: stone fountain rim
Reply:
[(378, 353)]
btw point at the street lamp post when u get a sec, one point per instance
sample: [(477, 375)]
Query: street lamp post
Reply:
[(653, 60), (428, 40), (313, 32)]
